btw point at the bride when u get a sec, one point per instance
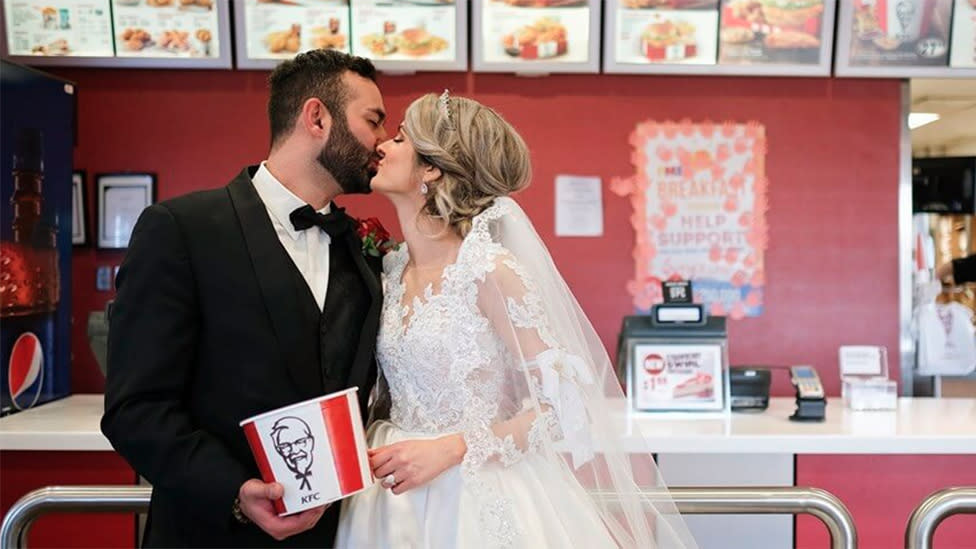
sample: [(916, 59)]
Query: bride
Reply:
[(493, 424)]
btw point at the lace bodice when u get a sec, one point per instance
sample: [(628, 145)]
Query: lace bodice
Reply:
[(478, 358), (442, 360)]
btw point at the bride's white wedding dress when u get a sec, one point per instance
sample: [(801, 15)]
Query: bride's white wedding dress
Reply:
[(481, 356)]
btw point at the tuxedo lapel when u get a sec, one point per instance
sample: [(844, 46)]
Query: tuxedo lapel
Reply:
[(270, 262), (361, 368)]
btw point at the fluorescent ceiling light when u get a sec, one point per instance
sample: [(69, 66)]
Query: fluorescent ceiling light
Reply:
[(919, 119)]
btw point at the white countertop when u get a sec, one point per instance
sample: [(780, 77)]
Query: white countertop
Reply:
[(71, 423), (919, 426)]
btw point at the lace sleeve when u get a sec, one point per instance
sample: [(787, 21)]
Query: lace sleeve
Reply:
[(379, 400), (547, 381)]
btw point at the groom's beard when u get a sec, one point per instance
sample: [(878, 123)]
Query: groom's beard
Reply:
[(347, 159)]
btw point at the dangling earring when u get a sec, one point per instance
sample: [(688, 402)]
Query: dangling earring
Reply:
[(423, 188)]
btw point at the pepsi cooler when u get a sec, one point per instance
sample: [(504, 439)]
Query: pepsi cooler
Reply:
[(38, 112)]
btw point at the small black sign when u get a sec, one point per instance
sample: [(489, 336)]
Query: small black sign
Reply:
[(676, 291)]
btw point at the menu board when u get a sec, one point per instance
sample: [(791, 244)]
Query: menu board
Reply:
[(906, 38), (193, 34), (71, 28), (411, 35), (280, 29), (166, 28), (963, 49), (760, 37), (900, 33), (536, 36), (681, 32), (773, 31)]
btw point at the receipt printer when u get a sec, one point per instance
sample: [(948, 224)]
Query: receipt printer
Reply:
[(749, 388)]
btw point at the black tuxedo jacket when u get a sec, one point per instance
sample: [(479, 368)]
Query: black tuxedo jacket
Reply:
[(212, 324)]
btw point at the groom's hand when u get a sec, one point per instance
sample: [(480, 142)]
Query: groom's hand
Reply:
[(257, 503)]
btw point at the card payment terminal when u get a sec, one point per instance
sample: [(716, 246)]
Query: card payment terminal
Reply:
[(810, 400)]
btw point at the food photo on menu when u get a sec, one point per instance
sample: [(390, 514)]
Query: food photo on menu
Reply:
[(771, 31), (411, 42), (544, 38), (963, 50), (204, 5), (280, 29), (50, 28), (165, 28), (667, 31), (670, 4), (892, 32), (406, 30), (542, 3), (536, 30)]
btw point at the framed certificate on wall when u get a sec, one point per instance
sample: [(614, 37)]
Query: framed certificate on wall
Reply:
[(536, 36), (411, 35), (268, 32), (121, 199)]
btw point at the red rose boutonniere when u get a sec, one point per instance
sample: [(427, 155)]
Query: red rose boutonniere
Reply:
[(377, 241)]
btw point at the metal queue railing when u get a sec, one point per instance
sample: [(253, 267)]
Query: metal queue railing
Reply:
[(933, 510), (717, 500)]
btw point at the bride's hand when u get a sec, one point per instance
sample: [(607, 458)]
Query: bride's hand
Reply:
[(414, 463)]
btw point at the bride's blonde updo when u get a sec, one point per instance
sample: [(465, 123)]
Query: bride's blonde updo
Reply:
[(480, 155)]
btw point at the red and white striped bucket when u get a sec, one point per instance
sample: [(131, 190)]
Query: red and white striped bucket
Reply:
[(315, 449)]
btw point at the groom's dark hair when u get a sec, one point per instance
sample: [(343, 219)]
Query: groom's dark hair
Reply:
[(315, 73)]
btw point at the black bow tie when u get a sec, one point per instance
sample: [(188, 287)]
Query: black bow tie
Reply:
[(334, 223)]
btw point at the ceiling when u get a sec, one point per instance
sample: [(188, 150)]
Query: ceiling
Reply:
[(954, 134)]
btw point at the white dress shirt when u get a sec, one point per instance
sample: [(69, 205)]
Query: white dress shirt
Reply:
[(309, 249)]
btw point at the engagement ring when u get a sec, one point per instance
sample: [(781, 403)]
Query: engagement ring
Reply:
[(389, 480)]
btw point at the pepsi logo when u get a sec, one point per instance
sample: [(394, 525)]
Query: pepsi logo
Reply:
[(25, 372)]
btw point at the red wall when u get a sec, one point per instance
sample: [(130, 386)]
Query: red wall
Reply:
[(832, 163), (881, 492), (27, 471)]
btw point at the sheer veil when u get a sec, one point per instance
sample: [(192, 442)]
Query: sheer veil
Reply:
[(561, 408)]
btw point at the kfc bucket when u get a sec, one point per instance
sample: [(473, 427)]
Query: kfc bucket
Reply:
[(902, 20), (315, 449)]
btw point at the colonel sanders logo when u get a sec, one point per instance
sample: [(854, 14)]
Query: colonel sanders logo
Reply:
[(294, 442)]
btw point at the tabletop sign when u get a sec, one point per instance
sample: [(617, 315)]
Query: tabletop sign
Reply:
[(676, 291)]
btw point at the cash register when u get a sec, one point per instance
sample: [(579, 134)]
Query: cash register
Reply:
[(676, 358)]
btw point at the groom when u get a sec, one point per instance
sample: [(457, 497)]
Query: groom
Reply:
[(236, 301)]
